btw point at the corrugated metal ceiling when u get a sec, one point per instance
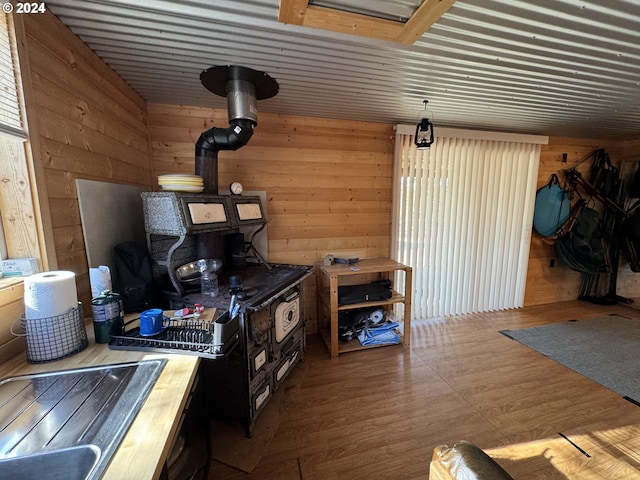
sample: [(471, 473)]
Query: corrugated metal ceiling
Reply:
[(551, 67)]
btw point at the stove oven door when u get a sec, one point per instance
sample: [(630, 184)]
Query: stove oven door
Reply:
[(286, 318)]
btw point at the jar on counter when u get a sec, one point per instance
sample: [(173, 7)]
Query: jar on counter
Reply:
[(108, 316), (209, 285)]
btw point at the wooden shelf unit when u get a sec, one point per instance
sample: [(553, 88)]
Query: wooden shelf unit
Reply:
[(330, 277)]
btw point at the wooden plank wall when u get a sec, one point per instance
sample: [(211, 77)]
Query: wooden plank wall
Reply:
[(11, 308), (328, 182), (91, 125), (316, 200)]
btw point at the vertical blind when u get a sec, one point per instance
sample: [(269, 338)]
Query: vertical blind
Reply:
[(463, 214)]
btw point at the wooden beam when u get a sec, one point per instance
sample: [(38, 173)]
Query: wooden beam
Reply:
[(351, 23), (293, 11), (299, 12), (427, 14)]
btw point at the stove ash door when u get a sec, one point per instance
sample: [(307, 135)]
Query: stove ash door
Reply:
[(286, 317)]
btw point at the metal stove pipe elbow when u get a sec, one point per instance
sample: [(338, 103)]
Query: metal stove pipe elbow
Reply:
[(236, 135)]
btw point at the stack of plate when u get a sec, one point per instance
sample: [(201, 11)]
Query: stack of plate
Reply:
[(177, 182)]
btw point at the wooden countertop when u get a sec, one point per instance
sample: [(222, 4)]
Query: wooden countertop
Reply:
[(147, 443)]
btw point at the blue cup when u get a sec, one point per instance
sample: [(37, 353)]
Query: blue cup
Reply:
[(152, 322)]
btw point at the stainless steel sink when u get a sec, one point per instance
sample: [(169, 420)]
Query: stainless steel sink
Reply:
[(74, 463), (71, 419)]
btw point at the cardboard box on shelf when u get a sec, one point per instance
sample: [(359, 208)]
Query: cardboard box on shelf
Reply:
[(19, 267)]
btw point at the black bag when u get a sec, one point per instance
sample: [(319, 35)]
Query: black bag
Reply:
[(372, 292), (351, 322), (133, 277), (604, 175), (583, 249), (634, 188), (631, 230)]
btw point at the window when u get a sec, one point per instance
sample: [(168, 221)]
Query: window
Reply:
[(10, 116), (463, 213), (10, 111), (16, 204)]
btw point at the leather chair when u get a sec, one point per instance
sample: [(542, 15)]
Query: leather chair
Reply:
[(464, 461)]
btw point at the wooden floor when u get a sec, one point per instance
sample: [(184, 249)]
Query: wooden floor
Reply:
[(378, 414)]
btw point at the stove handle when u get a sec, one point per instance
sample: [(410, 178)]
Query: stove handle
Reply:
[(291, 296)]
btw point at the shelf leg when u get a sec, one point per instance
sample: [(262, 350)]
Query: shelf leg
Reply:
[(408, 289), (333, 331)]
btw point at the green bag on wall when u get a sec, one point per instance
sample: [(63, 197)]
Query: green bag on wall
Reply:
[(551, 208)]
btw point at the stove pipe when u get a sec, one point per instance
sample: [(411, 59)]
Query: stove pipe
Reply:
[(242, 86)]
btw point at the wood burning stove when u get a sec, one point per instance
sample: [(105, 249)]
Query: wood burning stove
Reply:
[(183, 227), (272, 342)]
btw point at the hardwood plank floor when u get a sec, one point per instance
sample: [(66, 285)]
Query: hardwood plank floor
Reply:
[(379, 413)]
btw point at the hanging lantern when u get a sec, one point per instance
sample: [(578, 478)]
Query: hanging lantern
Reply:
[(424, 131), (424, 134)]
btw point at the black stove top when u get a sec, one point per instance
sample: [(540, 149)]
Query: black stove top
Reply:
[(259, 284)]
